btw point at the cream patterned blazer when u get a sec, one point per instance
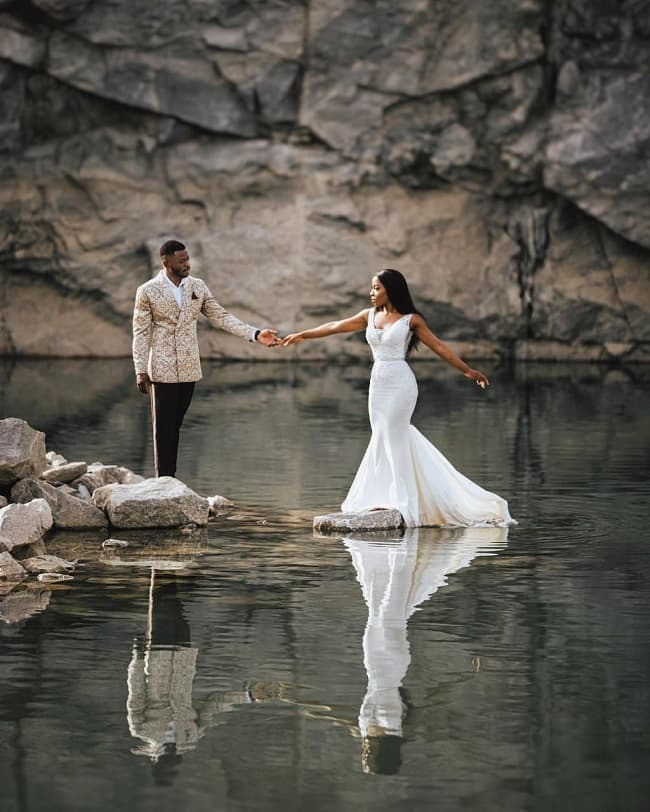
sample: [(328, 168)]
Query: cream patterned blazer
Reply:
[(165, 342)]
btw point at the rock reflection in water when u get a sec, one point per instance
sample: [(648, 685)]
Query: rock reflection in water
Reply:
[(19, 602), (396, 576)]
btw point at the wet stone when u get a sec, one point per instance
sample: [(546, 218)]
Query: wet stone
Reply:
[(219, 504), (114, 544), (10, 569), (365, 520), (47, 563), (53, 577)]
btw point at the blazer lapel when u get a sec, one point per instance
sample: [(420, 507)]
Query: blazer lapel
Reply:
[(187, 292)]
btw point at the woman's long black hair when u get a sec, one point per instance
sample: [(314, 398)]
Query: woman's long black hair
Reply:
[(400, 297)]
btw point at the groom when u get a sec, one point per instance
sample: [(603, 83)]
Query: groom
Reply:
[(166, 349)]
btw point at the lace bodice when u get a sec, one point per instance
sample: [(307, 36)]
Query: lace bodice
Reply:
[(390, 343)]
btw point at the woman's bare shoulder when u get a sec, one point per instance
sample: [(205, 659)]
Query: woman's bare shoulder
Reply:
[(417, 320)]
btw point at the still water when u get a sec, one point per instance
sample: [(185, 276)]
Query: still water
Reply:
[(447, 670)]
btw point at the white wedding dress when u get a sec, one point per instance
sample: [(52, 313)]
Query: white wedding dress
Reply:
[(401, 469)]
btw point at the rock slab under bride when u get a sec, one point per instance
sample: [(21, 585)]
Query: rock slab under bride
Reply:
[(365, 520), (162, 502)]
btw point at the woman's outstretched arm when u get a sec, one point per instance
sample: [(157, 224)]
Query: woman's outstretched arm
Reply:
[(424, 334), (330, 328)]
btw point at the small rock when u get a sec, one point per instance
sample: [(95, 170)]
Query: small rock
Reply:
[(22, 450), (25, 523), (114, 543), (10, 569), (99, 475), (65, 472), (53, 577), (108, 474), (83, 492), (53, 459), (88, 483), (365, 520), (219, 504), (67, 511), (188, 529), (3, 501), (47, 563)]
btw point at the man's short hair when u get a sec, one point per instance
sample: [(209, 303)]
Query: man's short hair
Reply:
[(171, 247)]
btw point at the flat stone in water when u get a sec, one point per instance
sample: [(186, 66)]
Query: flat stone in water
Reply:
[(365, 520), (47, 563), (53, 577), (114, 543)]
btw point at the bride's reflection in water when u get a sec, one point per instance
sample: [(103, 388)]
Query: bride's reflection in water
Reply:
[(397, 575)]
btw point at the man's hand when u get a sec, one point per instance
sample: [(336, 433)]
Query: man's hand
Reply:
[(268, 337), (144, 382)]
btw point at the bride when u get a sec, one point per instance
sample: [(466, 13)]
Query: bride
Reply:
[(401, 469)]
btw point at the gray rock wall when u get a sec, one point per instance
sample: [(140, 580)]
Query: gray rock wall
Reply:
[(496, 153)]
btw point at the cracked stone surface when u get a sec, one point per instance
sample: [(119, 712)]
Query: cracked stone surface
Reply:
[(496, 153), (365, 520), (161, 502)]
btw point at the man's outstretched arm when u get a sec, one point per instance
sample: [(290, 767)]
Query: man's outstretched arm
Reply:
[(220, 317)]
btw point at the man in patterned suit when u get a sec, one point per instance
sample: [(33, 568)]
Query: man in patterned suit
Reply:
[(166, 349)]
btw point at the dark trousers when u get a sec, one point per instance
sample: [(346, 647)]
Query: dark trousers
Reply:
[(169, 402)]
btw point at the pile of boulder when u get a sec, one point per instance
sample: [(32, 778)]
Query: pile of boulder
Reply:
[(41, 491)]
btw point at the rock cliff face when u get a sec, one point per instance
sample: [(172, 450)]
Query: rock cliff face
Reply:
[(496, 153)]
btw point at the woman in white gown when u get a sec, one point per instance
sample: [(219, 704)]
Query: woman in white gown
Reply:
[(401, 469)]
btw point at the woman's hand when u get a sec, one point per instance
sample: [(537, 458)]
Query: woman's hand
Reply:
[(292, 338), (479, 377)]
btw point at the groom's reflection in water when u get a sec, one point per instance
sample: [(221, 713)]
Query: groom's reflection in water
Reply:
[(160, 679), (161, 712), (397, 575)]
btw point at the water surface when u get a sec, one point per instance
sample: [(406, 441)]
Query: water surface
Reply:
[(272, 669)]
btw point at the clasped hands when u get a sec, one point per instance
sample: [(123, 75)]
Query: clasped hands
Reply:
[(270, 338)]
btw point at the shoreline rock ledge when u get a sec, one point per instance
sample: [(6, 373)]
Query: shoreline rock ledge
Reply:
[(383, 519)]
